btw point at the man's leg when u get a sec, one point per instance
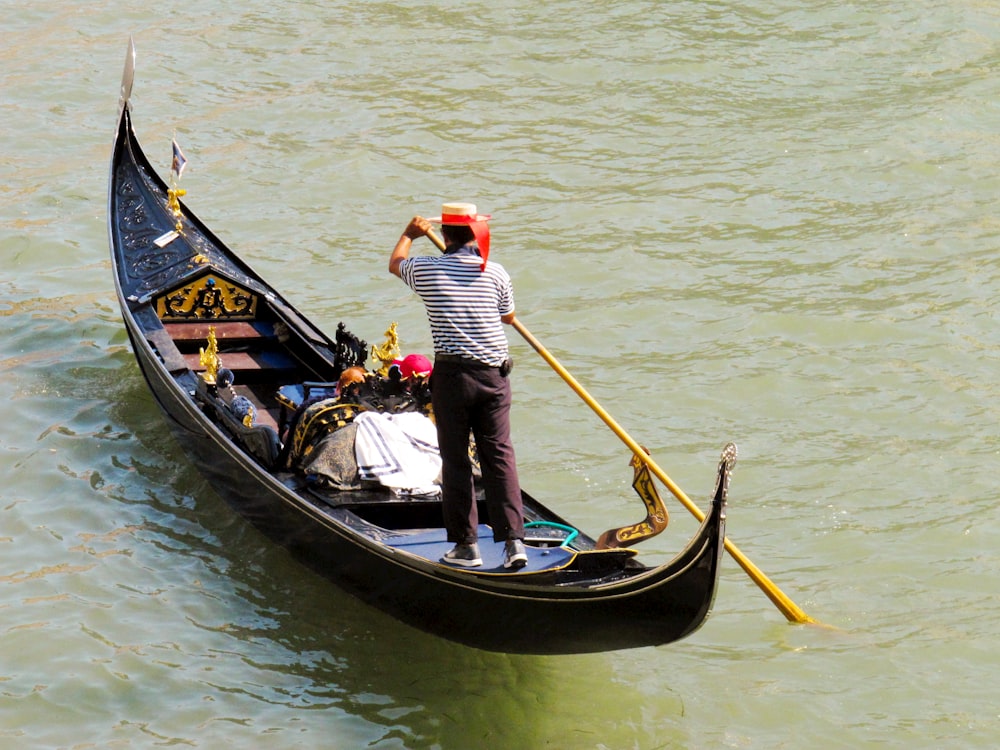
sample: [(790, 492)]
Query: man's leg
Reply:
[(448, 397)]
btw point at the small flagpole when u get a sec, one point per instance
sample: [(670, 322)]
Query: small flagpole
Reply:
[(174, 193)]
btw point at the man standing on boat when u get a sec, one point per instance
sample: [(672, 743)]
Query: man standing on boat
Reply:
[(468, 298)]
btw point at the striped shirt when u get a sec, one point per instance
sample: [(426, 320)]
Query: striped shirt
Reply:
[(463, 304)]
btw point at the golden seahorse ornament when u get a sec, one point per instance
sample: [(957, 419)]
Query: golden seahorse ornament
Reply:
[(388, 352), (209, 358)]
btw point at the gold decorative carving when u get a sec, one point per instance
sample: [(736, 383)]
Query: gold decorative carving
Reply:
[(208, 298), (173, 194), (209, 358), (656, 519), (388, 352), (656, 511)]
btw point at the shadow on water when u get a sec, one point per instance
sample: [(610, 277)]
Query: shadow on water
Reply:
[(297, 642), (157, 593)]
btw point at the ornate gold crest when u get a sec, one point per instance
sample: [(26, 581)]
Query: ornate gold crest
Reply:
[(208, 297)]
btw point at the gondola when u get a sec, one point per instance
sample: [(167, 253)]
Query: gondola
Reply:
[(246, 384)]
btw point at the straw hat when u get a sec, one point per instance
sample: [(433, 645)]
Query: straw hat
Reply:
[(465, 214)]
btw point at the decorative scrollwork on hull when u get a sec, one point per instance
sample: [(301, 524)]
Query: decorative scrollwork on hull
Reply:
[(142, 217), (138, 226)]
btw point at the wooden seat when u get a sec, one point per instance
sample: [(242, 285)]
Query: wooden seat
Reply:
[(249, 349), (225, 331), (166, 347), (242, 362)]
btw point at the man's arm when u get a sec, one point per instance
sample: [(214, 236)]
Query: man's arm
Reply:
[(508, 319), (418, 227)]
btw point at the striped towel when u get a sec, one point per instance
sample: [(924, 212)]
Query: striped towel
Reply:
[(400, 451)]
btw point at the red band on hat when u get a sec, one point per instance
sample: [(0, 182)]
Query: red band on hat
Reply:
[(457, 219)]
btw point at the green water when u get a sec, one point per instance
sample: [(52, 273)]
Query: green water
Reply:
[(767, 223)]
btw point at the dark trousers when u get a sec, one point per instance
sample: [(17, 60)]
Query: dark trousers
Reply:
[(477, 399)]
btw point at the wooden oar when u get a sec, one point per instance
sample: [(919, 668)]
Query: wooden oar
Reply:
[(788, 608)]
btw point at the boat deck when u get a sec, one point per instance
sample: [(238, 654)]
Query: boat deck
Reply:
[(431, 545)]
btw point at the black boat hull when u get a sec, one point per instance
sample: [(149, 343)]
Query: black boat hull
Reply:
[(507, 619), (599, 600)]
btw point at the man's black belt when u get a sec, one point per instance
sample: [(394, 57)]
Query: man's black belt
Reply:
[(464, 361), (475, 364)]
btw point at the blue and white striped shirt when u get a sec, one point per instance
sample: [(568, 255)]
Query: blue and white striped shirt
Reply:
[(463, 304)]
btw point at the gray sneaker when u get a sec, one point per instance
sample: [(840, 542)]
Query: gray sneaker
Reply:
[(514, 555), (466, 555)]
